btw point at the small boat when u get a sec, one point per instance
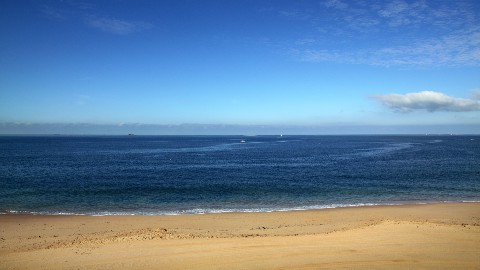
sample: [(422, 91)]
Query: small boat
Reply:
[(242, 141)]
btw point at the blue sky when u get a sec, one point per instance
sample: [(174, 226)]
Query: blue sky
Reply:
[(221, 67)]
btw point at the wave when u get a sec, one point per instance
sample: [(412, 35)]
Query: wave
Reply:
[(203, 211)]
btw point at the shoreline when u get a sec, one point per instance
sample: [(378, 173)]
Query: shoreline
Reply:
[(437, 235), (201, 211)]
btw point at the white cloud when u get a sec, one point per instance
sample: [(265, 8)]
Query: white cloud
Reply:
[(427, 100), (119, 27)]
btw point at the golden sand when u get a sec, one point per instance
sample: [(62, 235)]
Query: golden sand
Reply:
[(433, 236)]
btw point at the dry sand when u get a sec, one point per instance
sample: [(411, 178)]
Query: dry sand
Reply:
[(433, 236)]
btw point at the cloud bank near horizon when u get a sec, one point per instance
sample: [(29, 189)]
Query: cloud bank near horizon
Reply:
[(427, 100), (224, 129)]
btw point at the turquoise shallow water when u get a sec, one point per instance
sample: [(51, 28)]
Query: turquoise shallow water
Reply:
[(201, 174)]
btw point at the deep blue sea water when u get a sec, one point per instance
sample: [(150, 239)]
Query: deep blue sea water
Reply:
[(201, 174)]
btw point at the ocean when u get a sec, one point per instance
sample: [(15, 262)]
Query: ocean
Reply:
[(150, 175)]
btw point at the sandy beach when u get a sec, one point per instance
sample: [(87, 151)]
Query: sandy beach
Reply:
[(432, 236)]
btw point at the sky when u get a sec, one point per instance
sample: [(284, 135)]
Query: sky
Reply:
[(239, 67)]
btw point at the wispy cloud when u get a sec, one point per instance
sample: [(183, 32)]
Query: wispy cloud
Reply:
[(305, 41), (458, 49), (427, 100), (337, 4), (118, 27), (66, 9), (461, 48), (389, 33), (476, 94), (81, 100), (88, 14), (296, 14), (399, 12), (81, 5), (313, 55), (53, 13)]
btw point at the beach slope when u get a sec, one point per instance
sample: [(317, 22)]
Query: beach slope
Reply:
[(431, 236)]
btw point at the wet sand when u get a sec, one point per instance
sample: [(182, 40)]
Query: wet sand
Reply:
[(432, 236)]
